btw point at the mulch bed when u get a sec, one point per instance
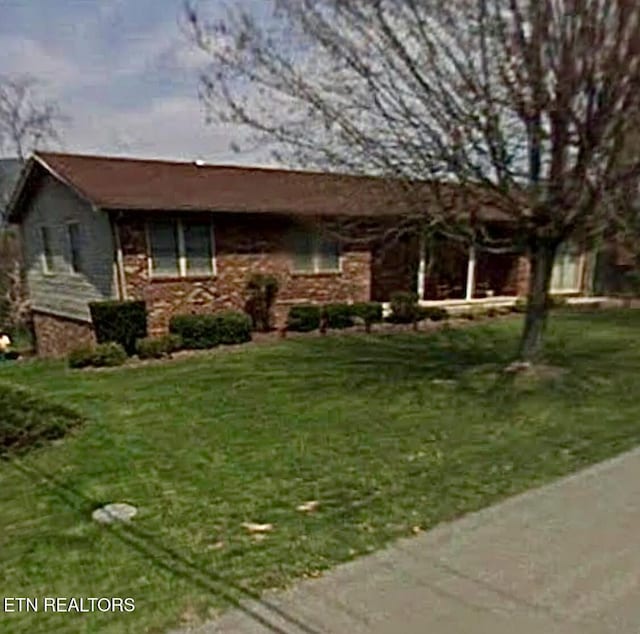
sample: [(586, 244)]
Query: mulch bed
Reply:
[(270, 338)]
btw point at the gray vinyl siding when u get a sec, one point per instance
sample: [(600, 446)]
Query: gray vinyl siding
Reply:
[(63, 292)]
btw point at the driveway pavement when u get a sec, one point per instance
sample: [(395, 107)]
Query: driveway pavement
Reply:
[(561, 559)]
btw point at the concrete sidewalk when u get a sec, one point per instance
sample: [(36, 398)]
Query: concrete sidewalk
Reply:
[(557, 560)]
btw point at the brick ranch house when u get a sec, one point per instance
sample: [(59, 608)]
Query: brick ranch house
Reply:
[(185, 238)]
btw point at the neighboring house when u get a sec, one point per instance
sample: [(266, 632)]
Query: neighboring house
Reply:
[(185, 237)]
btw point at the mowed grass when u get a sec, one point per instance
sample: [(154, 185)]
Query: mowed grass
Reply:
[(388, 433)]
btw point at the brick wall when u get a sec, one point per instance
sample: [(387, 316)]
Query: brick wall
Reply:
[(56, 336), (244, 245)]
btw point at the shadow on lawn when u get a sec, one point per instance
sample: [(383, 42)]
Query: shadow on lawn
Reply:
[(451, 354), (472, 358), (172, 561), (445, 355)]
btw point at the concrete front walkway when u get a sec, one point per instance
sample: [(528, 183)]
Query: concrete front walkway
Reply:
[(557, 560)]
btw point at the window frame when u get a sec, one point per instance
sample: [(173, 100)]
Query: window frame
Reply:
[(181, 254), (46, 269), (72, 269), (317, 238)]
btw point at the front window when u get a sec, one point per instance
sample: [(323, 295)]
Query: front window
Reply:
[(314, 253), (566, 269), (163, 238), (181, 248), (47, 250)]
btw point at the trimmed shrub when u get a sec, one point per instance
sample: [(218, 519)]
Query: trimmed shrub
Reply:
[(433, 313), (369, 312), (404, 307), (304, 318), (80, 357), (198, 332), (104, 355), (110, 354), (120, 322), (158, 347), (338, 316), (233, 327), (29, 420), (262, 290)]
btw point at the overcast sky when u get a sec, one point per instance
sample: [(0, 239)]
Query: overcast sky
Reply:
[(122, 70)]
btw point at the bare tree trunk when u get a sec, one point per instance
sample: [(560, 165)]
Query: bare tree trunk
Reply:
[(541, 257)]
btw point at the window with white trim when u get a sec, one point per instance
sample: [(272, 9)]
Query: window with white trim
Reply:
[(74, 242), (181, 247), (567, 269), (47, 250), (314, 253)]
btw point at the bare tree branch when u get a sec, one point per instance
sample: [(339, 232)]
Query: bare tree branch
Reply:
[(26, 120), (532, 102)]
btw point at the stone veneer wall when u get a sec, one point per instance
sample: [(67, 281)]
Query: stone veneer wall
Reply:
[(56, 336), (244, 244)]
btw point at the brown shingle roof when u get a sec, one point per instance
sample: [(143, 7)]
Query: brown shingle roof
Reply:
[(117, 183), (135, 184)]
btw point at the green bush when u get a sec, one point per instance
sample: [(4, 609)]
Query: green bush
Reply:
[(404, 307), (338, 316), (80, 357), (198, 332), (158, 347), (207, 331), (109, 355), (433, 313), (262, 290), (121, 322), (103, 355), (303, 318), (233, 327), (369, 312), (29, 420)]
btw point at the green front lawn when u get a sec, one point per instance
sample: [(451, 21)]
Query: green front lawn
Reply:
[(388, 433)]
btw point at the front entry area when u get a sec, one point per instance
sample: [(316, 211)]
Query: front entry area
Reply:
[(394, 267), (443, 269)]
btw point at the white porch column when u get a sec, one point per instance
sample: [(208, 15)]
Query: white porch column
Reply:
[(422, 264), (471, 273)]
